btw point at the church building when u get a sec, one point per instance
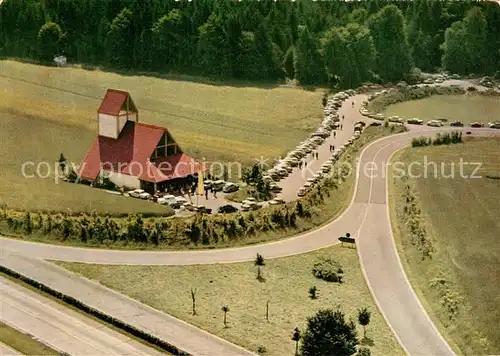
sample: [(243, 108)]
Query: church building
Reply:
[(133, 154)]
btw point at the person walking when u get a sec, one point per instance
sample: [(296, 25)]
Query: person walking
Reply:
[(334, 134), (305, 163), (317, 155), (300, 164), (206, 194)]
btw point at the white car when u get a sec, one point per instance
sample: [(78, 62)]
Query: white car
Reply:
[(230, 187), (181, 200), (136, 193), (276, 201), (144, 196), (434, 123), (168, 200)]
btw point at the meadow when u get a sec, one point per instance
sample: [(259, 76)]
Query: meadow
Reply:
[(285, 286), (464, 108), (23, 343), (253, 227), (26, 139), (458, 285), (215, 122)]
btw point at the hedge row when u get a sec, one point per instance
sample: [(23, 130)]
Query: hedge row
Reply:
[(96, 313), (440, 139), (407, 93), (199, 229), (413, 221)]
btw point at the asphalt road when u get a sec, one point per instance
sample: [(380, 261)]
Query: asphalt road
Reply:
[(61, 328), (366, 219), (7, 351)]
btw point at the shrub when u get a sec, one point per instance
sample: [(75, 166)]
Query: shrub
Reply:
[(312, 292), (328, 270)]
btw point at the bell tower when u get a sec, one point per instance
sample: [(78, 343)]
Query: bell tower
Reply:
[(116, 109)]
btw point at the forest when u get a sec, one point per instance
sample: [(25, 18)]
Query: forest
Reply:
[(314, 42)]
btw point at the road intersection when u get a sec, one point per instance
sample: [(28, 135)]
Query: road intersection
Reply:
[(366, 218)]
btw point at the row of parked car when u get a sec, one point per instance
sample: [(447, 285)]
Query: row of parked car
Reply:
[(330, 122), (438, 122), (327, 166)]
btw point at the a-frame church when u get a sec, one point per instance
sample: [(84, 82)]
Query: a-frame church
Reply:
[(134, 154)]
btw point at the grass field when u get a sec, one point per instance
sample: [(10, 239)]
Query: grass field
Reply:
[(216, 122), (23, 343), (462, 219), (332, 206), (465, 108), (25, 139), (287, 281)]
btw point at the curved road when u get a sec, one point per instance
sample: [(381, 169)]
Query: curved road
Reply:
[(367, 218)]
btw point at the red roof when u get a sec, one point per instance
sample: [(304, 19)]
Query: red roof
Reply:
[(129, 154), (113, 102)]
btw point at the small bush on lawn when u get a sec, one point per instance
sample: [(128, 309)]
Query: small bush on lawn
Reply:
[(328, 270)]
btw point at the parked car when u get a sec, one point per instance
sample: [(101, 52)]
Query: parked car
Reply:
[(202, 209), (267, 179), (136, 193), (170, 201), (494, 125), (230, 187), (273, 187), (276, 201), (227, 209), (456, 124), (477, 124), (249, 201), (434, 123), (395, 119), (302, 192), (415, 121), (181, 200), (218, 185), (376, 123)]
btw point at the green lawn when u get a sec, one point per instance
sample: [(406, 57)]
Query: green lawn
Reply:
[(287, 281), (25, 139), (465, 108), (213, 121), (23, 343), (461, 217), (59, 195)]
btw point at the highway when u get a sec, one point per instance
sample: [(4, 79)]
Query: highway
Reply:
[(61, 328), (366, 218)]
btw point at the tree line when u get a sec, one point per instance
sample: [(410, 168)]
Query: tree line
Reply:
[(326, 42)]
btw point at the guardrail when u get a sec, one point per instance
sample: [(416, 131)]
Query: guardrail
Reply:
[(96, 313)]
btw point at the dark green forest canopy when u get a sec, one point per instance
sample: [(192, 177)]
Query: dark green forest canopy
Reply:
[(324, 42)]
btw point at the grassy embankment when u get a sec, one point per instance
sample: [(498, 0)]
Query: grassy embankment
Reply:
[(286, 285), (23, 343), (458, 285), (325, 202), (45, 111)]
